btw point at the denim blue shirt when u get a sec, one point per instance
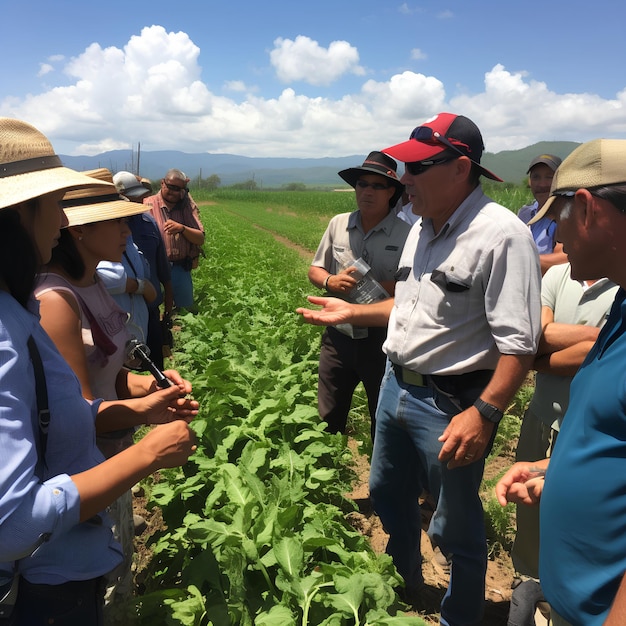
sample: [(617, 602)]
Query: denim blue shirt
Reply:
[(37, 500), (114, 276), (148, 239), (543, 230)]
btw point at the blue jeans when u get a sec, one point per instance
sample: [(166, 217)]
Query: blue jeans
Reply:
[(182, 287), (409, 421)]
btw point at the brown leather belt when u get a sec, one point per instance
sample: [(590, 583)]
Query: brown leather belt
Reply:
[(408, 376)]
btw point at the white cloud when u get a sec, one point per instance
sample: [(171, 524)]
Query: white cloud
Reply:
[(405, 9), (151, 91), (418, 55), (305, 60), (91, 149), (44, 68), (514, 112), (235, 85)]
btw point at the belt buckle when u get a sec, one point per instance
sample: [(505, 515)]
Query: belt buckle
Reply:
[(413, 378), (408, 376)]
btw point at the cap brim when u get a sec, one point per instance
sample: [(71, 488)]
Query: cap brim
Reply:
[(24, 187), (136, 192), (542, 211), (412, 151), (102, 211), (352, 174)]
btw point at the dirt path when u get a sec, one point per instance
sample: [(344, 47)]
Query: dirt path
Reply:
[(499, 570)]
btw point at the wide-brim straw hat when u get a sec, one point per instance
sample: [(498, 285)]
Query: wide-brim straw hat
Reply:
[(97, 203), (29, 167)]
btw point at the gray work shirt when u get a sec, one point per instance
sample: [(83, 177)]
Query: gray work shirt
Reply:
[(468, 294), (380, 248)]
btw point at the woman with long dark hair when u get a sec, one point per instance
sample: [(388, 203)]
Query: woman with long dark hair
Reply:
[(90, 331), (56, 543)]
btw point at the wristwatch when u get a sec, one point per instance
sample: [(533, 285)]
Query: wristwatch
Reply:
[(488, 411), (141, 285)]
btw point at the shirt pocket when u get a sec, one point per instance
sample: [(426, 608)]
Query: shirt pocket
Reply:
[(455, 292)]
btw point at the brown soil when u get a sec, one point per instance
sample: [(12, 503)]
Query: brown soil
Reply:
[(499, 569)]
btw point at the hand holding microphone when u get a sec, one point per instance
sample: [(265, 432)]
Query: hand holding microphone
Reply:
[(137, 350)]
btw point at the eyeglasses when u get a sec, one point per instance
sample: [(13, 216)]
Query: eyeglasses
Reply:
[(426, 134), (175, 188), (363, 184), (419, 167)]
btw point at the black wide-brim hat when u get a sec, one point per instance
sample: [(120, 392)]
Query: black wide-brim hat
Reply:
[(376, 163)]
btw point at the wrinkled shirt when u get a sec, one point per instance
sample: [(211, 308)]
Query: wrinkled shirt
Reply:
[(114, 276), (543, 230), (468, 294)]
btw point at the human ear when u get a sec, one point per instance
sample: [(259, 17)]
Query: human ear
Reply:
[(77, 232), (585, 202), (463, 167)]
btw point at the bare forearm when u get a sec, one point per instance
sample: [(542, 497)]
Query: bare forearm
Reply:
[(376, 314), (546, 261), (507, 378), (120, 415), (101, 485), (164, 446), (556, 336), (193, 235), (564, 362), (317, 276)]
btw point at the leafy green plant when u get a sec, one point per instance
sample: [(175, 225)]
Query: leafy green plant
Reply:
[(256, 522)]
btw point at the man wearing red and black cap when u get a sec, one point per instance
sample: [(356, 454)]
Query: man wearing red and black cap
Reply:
[(463, 329)]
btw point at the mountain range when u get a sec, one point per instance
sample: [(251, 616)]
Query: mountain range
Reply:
[(271, 172)]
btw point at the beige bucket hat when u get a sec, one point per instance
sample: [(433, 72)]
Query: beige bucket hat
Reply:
[(97, 203), (29, 167)]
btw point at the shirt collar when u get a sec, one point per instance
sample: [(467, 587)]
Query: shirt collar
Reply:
[(386, 224)]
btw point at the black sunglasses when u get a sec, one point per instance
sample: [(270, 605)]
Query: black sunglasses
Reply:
[(175, 187), (419, 167), (426, 134), (363, 184)]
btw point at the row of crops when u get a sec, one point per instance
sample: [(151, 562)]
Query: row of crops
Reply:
[(256, 529)]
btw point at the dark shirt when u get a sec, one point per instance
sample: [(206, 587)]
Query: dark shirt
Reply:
[(148, 238)]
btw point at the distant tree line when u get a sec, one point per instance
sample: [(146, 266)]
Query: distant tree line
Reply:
[(212, 182)]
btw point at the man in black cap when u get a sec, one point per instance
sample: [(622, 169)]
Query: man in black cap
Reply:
[(540, 174), (463, 329), (374, 235)]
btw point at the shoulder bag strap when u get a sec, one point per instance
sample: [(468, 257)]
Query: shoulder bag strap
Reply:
[(41, 392)]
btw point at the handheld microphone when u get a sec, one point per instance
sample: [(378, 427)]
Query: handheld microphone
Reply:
[(140, 351)]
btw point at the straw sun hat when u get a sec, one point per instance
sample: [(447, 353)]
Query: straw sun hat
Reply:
[(97, 203), (29, 166)]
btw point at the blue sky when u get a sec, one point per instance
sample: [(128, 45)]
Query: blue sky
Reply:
[(310, 79)]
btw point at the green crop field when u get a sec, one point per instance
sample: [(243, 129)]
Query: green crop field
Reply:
[(255, 524)]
